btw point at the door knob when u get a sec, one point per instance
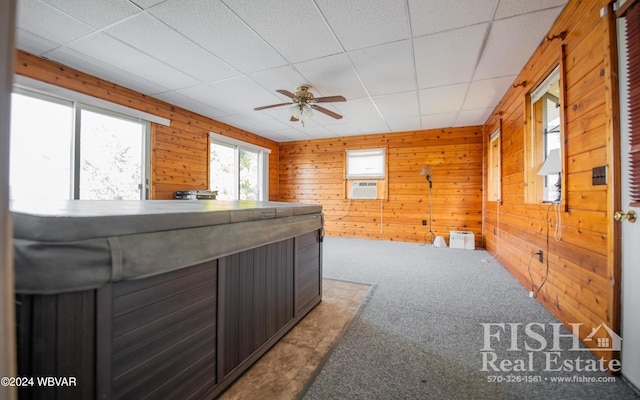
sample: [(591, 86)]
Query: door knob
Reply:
[(621, 216)]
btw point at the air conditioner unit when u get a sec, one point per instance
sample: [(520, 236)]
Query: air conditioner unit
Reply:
[(364, 190)]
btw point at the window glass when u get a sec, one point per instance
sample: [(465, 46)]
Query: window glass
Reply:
[(41, 148), (249, 175), (237, 170), (111, 157), (223, 171), (543, 145)]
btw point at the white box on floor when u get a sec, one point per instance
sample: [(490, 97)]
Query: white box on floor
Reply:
[(462, 240)]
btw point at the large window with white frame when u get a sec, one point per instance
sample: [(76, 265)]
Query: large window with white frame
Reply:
[(61, 149), (238, 170)]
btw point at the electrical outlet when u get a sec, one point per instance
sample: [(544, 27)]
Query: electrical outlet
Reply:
[(424, 222), (540, 256)]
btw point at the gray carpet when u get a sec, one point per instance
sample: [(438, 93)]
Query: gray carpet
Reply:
[(419, 333)]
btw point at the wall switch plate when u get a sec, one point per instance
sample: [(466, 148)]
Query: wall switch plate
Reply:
[(599, 176), (424, 222)]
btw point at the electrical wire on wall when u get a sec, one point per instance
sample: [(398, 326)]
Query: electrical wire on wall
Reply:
[(384, 188), (557, 235), (342, 216)]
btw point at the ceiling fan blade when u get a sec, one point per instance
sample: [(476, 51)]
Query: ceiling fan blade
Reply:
[(294, 119), (325, 111), (271, 106), (329, 99), (286, 93)]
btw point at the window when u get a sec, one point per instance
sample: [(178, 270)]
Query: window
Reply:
[(369, 163), (237, 170), (543, 145), (62, 150), (111, 157), (493, 179)]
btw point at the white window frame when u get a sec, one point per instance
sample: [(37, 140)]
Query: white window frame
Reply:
[(263, 160)]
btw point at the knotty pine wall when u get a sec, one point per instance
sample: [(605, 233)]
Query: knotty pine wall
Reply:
[(583, 279), (313, 171), (179, 152)]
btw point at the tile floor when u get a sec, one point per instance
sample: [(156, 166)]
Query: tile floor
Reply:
[(283, 372)]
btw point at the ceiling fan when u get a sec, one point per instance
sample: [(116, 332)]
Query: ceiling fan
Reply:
[(302, 101)]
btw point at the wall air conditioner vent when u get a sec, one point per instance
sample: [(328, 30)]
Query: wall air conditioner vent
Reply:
[(364, 190)]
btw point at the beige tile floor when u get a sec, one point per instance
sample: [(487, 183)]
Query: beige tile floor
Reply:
[(285, 370)]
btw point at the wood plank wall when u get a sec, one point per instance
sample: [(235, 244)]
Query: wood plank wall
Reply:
[(312, 171), (582, 285), (179, 152)]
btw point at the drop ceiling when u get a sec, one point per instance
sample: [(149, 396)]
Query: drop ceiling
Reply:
[(401, 64)]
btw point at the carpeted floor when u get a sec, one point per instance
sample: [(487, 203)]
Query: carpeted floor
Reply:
[(420, 334)]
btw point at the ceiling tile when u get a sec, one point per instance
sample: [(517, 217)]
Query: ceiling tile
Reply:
[(146, 3), (246, 90), (97, 13), (112, 52), (333, 75), (508, 8), (103, 70), (359, 110), (216, 28), (448, 58), (400, 124), (47, 22), (473, 117), (365, 23), (190, 104), (294, 28), (343, 129), (443, 15), (434, 121), (286, 77), (398, 105), (529, 29), (213, 97), (33, 43), (443, 99), (388, 68), (158, 40), (487, 93)]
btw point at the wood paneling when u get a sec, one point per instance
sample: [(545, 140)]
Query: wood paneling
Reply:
[(179, 152), (582, 280), (313, 172)]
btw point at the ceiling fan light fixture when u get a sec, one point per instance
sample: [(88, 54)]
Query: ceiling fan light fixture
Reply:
[(301, 111), (295, 111)]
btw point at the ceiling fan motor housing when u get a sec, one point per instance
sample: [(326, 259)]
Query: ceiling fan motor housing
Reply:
[(303, 95)]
